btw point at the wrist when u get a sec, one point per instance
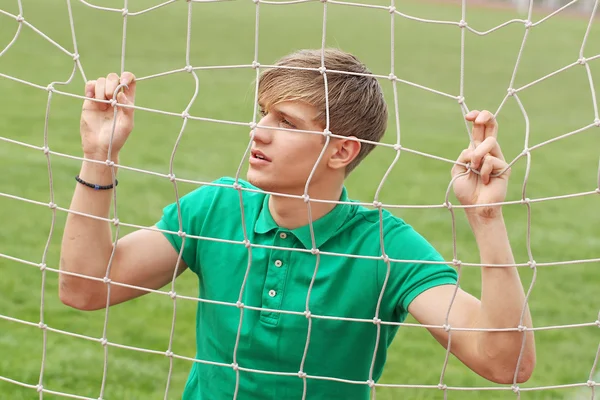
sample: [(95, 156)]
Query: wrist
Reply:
[(485, 222), (101, 156)]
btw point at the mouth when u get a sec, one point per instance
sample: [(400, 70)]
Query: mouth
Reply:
[(259, 155)]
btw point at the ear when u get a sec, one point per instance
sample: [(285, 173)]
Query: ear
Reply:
[(343, 151)]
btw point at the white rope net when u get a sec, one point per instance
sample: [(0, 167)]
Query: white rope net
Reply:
[(583, 60)]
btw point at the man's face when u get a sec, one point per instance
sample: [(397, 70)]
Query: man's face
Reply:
[(281, 161)]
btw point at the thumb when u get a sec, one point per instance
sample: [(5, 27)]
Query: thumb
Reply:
[(123, 99)]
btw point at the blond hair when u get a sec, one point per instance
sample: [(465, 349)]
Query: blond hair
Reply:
[(356, 103)]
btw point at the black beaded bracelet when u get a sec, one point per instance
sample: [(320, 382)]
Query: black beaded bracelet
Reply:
[(94, 186)]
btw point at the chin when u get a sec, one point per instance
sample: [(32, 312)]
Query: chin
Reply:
[(268, 183)]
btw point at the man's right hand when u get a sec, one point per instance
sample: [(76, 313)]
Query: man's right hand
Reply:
[(97, 118)]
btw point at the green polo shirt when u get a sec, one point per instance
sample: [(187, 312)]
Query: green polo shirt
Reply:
[(272, 342)]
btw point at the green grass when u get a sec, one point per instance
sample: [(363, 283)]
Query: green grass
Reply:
[(223, 34)]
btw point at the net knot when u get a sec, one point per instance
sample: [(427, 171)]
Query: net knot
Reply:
[(104, 342), (169, 353), (171, 177), (597, 122), (256, 1), (113, 102), (582, 61), (314, 251), (116, 221), (46, 150), (376, 321), (460, 99), (235, 366), (239, 304), (448, 205), (39, 388), (446, 327), (172, 294), (50, 88), (397, 147), (456, 263), (377, 204), (42, 325), (20, 18), (591, 383), (515, 388), (511, 91), (305, 198), (526, 200), (106, 280), (301, 374), (392, 9), (246, 243), (188, 68), (528, 24), (181, 234), (124, 12), (255, 64), (462, 23), (327, 133), (42, 266), (598, 323), (75, 56), (442, 386), (392, 77), (307, 314), (532, 264), (385, 258), (110, 163), (253, 125), (521, 328), (185, 114), (322, 69), (371, 383)]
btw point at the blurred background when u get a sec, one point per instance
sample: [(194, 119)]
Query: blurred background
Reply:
[(223, 33)]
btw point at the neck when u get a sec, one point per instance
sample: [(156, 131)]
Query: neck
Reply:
[(292, 213)]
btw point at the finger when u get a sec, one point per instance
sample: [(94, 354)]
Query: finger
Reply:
[(490, 125), (127, 78), (112, 81), (477, 132), (463, 158), (488, 146), (99, 93), (491, 166), (471, 115), (89, 92)]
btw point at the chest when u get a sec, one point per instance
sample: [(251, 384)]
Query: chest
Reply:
[(277, 274)]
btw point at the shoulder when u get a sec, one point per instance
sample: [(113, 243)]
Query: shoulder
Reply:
[(401, 240), (224, 192)]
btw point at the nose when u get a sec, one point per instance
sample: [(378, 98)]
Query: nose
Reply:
[(263, 135)]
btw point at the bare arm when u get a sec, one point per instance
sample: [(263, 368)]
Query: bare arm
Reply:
[(143, 258), (493, 355)]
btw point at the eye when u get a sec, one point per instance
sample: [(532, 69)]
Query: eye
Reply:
[(262, 112), (287, 123)]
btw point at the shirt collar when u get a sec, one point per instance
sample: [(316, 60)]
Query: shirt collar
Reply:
[(324, 228)]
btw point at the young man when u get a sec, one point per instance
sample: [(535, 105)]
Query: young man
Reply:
[(276, 281)]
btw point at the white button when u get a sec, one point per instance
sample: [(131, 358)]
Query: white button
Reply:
[(278, 263), (272, 293), (282, 235)]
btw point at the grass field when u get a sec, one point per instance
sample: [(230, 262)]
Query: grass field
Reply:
[(223, 34)]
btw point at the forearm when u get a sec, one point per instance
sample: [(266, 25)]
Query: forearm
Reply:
[(502, 296), (87, 242)]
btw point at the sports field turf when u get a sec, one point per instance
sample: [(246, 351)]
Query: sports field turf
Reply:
[(223, 34)]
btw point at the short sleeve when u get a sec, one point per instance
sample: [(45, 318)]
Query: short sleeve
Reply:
[(413, 278), (194, 208)]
